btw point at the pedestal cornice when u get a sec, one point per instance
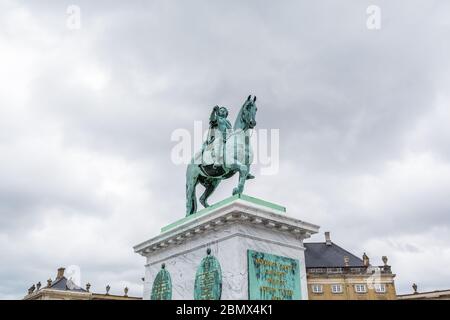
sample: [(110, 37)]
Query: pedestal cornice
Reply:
[(239, 208)]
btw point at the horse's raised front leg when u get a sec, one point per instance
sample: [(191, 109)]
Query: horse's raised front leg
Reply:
[(243, 171), (249, 175)]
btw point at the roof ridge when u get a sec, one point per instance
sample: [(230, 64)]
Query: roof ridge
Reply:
[(347, 251), (319, 254), (336, 246)]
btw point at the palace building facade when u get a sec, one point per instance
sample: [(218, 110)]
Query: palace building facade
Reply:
[(333, 273)]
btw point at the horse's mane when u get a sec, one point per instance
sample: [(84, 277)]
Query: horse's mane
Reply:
[(239, 116)]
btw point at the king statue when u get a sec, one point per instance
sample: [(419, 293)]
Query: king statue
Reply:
[(226, 151)]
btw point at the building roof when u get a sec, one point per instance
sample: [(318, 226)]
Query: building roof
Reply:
[(65, 285), (63, 288), (323, 255)]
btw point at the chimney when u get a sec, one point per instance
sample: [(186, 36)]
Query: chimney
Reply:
[(60, 273), (327, 238)]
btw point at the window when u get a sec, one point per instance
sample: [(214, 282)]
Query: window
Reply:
[(316, 270), (317, 288), (380, 288), (336, 288), (334, 270), (360, 288)]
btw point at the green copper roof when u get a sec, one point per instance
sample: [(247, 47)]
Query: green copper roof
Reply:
[(221, 204)]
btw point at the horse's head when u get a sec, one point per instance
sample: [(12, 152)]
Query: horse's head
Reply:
[(247, 116)]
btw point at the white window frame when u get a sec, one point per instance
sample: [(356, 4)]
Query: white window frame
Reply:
[(335, 286), (360, 286), (317, 288), (380, 287)]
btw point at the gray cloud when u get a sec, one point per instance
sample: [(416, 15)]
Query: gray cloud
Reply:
[(86, 117)]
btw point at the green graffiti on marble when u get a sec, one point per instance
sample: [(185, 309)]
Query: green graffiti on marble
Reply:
[(272, 277), (208, 279), (162, 286)]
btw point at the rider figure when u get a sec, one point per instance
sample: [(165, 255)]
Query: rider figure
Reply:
[(219, 123)]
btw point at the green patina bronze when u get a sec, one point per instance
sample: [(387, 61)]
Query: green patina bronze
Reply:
[(162, 286), (226, 152), (272, 277), (208, 279)]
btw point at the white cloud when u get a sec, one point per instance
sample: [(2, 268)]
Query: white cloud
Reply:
[(86, 117), (416, 258)]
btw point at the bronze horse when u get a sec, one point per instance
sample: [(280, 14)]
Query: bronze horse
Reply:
[(238, 156)]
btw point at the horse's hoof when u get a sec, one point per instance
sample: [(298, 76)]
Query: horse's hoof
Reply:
[(205, 204), (250, 176), (235, 191)]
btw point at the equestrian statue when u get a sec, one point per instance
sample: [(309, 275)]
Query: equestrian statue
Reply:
[(226, 151)]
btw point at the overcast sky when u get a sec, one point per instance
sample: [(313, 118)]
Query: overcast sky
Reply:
[(86, 117)]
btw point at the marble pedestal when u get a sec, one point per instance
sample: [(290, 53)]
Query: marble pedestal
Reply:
[(229, 228)]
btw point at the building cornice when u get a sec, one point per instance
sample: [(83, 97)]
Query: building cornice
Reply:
[(425, 295), (59, 293)]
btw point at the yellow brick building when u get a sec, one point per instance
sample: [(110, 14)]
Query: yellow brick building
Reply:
[(333, 273)]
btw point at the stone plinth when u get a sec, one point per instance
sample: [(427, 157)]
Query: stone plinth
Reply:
[(231, 229)]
